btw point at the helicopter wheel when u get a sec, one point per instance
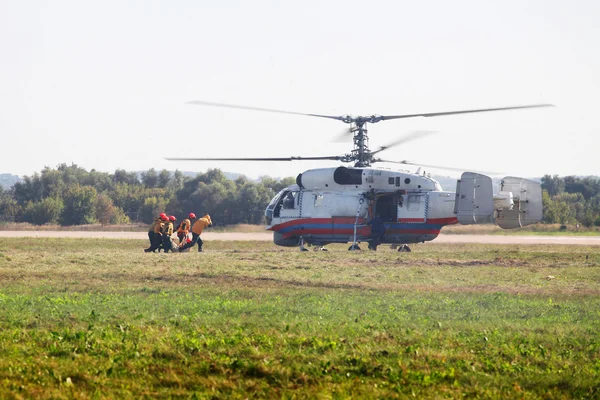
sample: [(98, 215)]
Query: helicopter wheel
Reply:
[(372, 247), (404, 248), (353, 247)]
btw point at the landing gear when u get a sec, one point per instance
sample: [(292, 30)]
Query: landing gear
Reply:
[(302, 248), (353, 247), (372, 246), (404, 248)]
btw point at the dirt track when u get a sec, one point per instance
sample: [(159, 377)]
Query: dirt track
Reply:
[(267, 236)]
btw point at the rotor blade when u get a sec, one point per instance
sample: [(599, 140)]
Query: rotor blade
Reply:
[(337, 158), (212, 104), (434, 166), (406, 138), (343, 136), (439, 114)]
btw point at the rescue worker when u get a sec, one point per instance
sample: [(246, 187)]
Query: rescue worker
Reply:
[(157, 237), (377, 232), (184, 227), (157, 220), (197, 229), (166, 232)]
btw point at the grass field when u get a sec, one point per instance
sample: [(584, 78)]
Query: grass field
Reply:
[(478, 229), (101, 319)]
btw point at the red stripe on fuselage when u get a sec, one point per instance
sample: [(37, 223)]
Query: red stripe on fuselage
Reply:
[(324, 221), (329, 226)]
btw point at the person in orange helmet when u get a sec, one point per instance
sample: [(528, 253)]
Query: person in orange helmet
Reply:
[(197, 229), (184, 227)]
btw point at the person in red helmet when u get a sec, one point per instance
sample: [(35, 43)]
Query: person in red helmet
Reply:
[(166, 232), (157, 220), (184, 227), (157, 236), (197, 229)]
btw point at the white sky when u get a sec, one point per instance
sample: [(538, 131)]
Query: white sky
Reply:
[(104, 84)]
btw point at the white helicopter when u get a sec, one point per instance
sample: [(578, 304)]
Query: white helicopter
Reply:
[(379, 206)]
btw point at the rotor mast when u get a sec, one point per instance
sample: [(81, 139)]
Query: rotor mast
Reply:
[(361, 153)]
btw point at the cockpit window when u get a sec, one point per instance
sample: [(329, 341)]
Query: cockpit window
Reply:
[(275, 200), (289, 201), (286, 199)]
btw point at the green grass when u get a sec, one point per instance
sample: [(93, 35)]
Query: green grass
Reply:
[(101, 319), (536, 229)]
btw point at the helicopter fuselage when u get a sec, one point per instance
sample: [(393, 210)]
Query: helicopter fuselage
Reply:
[(341, 205)]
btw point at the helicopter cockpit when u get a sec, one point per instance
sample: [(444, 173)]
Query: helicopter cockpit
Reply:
[(286, 199)]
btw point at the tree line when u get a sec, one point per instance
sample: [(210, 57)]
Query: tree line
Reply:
[(571, 200), (71, 195)]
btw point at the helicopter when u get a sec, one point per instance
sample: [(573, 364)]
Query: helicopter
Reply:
[(364, 204)]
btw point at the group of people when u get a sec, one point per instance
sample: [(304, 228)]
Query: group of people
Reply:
[(163, 227)]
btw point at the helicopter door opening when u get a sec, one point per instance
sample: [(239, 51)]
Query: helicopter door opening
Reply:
[(386, 208)]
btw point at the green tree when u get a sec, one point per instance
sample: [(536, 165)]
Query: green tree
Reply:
[(46, 211), (9, 208), (72, 174), (150, 178), (276, 185), (53, 184), (176, 182), (31, 188), (556, 210), (151, 207), (107, 212), (164, 179), (80, 204), (101, 181), (252, 200), (553, 184), (124, 177)]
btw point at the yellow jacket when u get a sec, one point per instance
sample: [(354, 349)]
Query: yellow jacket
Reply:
[(201, 224), (167, 228), (153, 225), (184, 226), (158, 227)]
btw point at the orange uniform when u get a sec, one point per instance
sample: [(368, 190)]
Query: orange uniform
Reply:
[(201, 224), (184, 227)]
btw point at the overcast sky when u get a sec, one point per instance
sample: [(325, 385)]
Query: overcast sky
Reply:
[(105, 84)]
